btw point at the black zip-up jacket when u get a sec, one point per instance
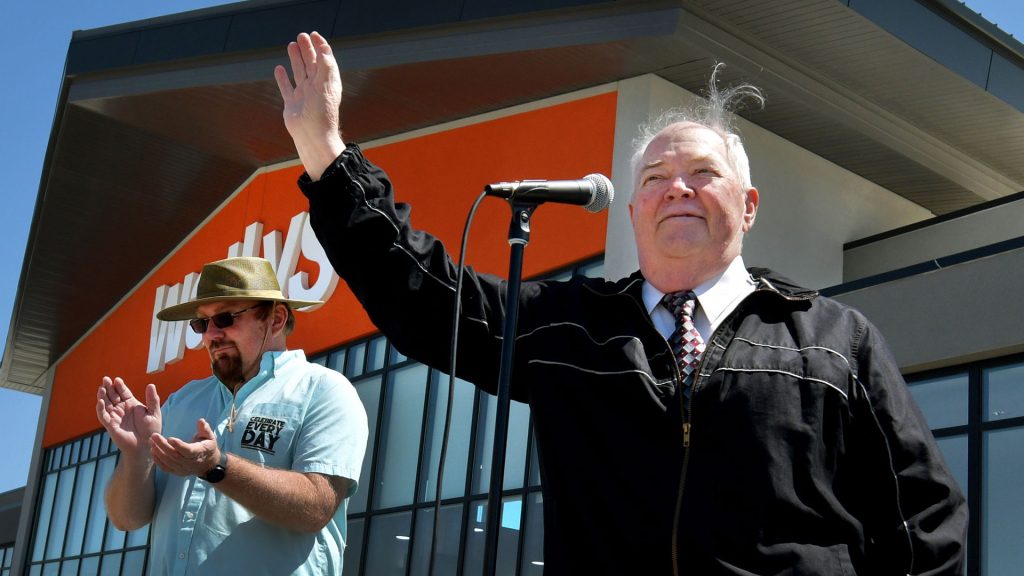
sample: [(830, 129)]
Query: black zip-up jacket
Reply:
[(803, 453)]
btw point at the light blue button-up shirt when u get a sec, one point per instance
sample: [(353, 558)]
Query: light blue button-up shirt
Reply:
[(293, 415)]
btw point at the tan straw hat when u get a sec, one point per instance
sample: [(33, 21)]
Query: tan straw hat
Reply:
[(242, 278)]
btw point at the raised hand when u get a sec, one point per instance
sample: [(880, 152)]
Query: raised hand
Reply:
[(312, 103), (129, 422), (181, 458)]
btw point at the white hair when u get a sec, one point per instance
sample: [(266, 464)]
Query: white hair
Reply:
[(714, 112)]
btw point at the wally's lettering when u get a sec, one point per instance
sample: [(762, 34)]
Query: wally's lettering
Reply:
[(168, 340)]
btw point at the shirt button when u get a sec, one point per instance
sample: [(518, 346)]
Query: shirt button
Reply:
[(189, 515), (181, 556)]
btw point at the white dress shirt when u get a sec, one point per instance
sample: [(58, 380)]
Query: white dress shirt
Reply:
[(717, 297)]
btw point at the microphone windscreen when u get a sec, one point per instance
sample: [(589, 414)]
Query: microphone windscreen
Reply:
[(604, 193)]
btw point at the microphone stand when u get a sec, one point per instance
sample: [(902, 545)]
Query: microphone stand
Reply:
[(518, 238)]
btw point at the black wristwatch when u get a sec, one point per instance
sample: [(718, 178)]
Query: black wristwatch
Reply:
[(217, 473)]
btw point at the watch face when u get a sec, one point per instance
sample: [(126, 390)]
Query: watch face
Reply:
[(215, 475)]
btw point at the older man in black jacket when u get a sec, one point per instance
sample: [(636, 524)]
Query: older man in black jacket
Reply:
[(694, 418)]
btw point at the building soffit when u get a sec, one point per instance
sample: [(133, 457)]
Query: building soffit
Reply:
[(159, 143)]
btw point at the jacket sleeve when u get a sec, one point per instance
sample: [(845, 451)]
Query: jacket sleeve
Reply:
[(404, 277), (916, 513)]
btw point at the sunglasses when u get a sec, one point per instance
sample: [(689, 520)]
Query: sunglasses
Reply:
[(222, 320)]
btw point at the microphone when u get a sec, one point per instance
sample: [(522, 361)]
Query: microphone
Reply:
[(594, 191)]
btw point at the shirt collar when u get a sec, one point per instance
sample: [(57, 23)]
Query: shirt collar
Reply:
[(270, 363), (714, 294)]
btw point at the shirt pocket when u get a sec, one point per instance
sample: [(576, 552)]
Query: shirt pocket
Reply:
[(266, 434)]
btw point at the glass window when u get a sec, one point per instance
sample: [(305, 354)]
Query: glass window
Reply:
[(533, 536), (356, 360), (534, 462), (51, 569), (353, 547), (459, 434), (515, 445), (69, 568), (592, 270), (43, 521), (369, 393), (1002, 501), (115, 538), (134, 563), (388, 548), (1003, 392), (321, 360), (59, 519), (336, 361), (80, 509), (943, 400), (446, 555), (97, 509), (400, 436), (76, 450), (376, 352), (90, 566), (954, 450), (111, 565), (138, 537), (508, 539), (397, 357)]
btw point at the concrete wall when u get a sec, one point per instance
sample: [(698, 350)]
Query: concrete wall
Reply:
[(963, 313), (809, 207), (995, 224)]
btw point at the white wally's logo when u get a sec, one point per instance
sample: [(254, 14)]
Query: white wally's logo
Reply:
[(168, 340), (262, 433)]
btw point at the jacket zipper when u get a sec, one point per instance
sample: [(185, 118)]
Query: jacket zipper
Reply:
[(687, 410), (687, 413)]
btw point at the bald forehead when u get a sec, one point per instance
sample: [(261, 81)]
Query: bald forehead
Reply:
[(703, 141), (682, 132)]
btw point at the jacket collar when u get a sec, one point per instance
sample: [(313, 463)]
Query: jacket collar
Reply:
[(770, 282), (767, 281)]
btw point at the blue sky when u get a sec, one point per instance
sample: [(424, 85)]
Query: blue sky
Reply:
[(34, 36)]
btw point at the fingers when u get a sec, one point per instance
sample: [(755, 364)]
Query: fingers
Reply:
[(121, 392), (153, 401), (101, 409), (175, 456), (295, 60), (171, 455), (204, 431), (107, 400), (284, 84), (305, 55), (308, 54), (325, 57)]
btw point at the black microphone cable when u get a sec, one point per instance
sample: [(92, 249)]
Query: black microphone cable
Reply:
[(456, 313)]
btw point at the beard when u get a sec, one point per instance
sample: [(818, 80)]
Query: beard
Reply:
[(228, 368)]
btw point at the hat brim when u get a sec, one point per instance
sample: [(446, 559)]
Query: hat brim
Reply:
[(187, 310)]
